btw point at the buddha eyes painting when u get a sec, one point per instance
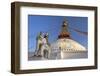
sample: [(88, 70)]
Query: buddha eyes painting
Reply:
[(57, 37)]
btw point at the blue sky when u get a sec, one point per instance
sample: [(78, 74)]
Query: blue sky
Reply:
[(52, 25)]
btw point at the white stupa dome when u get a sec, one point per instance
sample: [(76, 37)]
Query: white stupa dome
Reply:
[(67, 45), (67, 49)]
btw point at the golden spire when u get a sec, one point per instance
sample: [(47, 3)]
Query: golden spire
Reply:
[(64, 30)]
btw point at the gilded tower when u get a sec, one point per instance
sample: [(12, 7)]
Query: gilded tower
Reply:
[(64, 30)]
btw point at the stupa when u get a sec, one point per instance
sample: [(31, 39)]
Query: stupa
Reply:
[(65, 47)]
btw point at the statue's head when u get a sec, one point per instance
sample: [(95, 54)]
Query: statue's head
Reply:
[(46, 35)]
